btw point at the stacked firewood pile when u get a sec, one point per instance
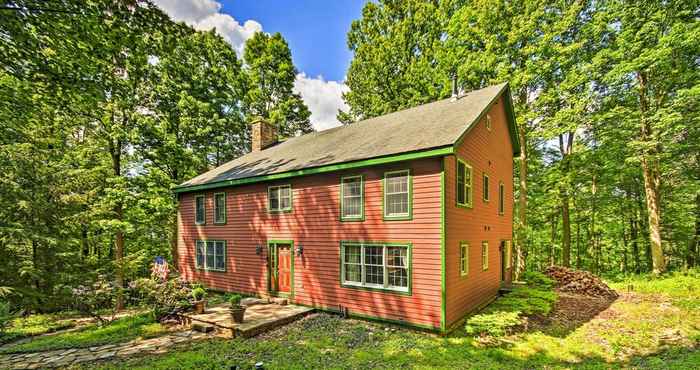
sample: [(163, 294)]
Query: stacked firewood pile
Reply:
[(581, 282)]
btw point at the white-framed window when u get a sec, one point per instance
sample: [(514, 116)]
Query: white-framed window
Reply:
[(464, 184), (397, 195), (484, 255), (509, 253), (352, 193), (200, 210), (384, 266), (279, 198), (210, 255), (501, 198), (220, 208), (463, 258), (487, 195)]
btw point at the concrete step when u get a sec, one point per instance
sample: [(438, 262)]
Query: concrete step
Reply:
[(279, 301)]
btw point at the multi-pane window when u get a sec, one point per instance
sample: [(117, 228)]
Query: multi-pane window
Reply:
[(464, 184), (501, 198), (199, 210), (279, 198), (210, 255), (486, 187), (375, 265), (488, 122), (352, 198), (463, 259), (484, 255), (220, 208), (397, 195)]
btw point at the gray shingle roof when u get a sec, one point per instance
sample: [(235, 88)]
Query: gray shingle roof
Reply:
[(424, 127)]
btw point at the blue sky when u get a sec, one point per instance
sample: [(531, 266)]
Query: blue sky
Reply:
[(315, 30)]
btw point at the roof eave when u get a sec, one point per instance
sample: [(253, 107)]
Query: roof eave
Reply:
[(399, 157)]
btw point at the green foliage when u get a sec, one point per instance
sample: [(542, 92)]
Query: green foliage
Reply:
[(21, 327), (537, 279), (120, 330), (494, 324), (235, 300), (165, 298), (199, 293), (92, 298), (682, 287), (5, 316)]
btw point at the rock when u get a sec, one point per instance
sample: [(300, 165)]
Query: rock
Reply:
[(252, 301), (202, 327)]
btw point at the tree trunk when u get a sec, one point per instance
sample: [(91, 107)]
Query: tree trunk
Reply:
[(565, 148), (652, 180), (116, 151), (522, 198), (694, 245), (554, 238)]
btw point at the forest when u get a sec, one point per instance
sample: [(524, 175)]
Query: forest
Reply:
[(106, 105)]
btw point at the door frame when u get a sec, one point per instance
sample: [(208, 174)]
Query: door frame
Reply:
[(502, 258), (272, 244)]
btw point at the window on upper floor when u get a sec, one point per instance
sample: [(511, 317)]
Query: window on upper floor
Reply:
[(210, 255), (501, 198), (200, 210), (397, 195), (487, 194), (464, 184), (220, 208), (279, 198), (352, 198)]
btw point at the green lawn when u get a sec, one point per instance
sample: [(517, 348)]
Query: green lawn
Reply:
[(120, 330), (23, 327), (656, 327)]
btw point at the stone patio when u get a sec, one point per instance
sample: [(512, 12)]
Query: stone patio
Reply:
[(258, 318)]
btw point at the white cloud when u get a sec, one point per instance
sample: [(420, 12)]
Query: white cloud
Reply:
[(323, 98), (205, 15)]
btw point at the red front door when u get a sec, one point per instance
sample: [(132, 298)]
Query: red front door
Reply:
[(281, 274)]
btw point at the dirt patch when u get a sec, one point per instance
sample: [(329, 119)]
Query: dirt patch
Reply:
[(571, 311)]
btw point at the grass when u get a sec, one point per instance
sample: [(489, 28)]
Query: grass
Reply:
[(23, 327), (120, 330), (647, 329)]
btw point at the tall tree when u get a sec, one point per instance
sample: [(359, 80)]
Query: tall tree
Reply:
[(271, 75)]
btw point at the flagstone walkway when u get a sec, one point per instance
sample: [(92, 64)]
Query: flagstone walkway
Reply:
[(66, 357)]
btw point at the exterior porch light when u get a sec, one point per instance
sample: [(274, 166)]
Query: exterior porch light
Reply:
[(258, 250), (300, 250)]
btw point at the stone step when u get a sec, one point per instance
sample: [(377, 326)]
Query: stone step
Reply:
[(279, 301), (202, 327), (251, 301)]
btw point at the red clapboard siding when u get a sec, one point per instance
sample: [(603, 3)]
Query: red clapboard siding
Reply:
[(487, 152), (314, 222)]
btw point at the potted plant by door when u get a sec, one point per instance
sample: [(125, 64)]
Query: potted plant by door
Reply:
[(237, 311), (200, 303)]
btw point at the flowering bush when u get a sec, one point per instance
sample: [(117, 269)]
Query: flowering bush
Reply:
[(93, 298), (166, 298)]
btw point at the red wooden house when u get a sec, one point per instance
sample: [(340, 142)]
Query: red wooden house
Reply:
[(404, 217)]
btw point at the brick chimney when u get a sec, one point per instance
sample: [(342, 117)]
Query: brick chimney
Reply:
[(264, 134)]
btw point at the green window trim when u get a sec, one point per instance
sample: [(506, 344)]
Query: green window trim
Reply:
[(203, 265), (467, 188), (277, 188), (385, 286), (197, 219), (485, 184), (218, 221), (361, 216), (463, 258), (501, 198), (401, 216), (484, 255)]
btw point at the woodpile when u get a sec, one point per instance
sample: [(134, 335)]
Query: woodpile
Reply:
[(580, 282)]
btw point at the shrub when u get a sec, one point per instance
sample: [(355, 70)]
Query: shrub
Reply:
[(92, 298), (5, 315), (199, 293), (538, 279), (235, 300), (495, 324), (165, 298)]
